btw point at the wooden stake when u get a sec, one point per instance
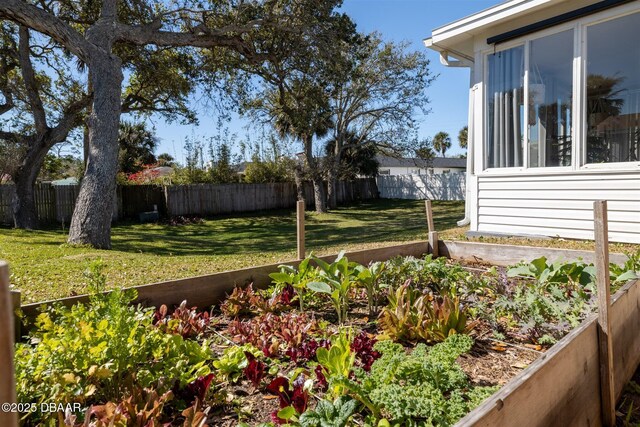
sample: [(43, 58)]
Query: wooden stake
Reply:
[(16, 302), (427, 205), (300, 222), (607, 390), (7, 381), (432, 233)]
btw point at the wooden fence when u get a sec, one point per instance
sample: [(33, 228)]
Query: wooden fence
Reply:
[(56, 203), (212, 199), (447, 186)]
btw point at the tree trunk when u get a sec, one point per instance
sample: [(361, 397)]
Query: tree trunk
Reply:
[(91, 221), (318, 193), (316, 177), (332, 178), (297, 176), (25, 214)]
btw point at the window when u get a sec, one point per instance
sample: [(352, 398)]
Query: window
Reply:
[(505, 108), (384, 172), (550, 100), (549, 103), (613, 91), (531, 90)]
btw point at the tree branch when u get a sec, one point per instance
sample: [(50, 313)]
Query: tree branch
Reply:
[(70, 119), (9, 136), (39, 20), (29, 77), (229, 36)]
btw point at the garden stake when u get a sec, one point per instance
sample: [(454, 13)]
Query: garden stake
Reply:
[(16, 301), (607, 391), (300, 222), (433, 234), (7, 383)]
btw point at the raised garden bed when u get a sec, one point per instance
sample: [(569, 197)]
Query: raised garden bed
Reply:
[(448, 334)]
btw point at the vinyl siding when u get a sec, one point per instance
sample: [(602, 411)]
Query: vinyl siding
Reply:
[(560, 205)]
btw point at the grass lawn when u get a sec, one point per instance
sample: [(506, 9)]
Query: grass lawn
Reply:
[(44, 267)]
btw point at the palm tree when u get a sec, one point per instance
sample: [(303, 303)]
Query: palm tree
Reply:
[(441, 142), (462, 137), (301, 111)]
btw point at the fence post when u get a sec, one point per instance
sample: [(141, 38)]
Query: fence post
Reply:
[(7, 384), (433, 234), (300, 223), (601, 234)]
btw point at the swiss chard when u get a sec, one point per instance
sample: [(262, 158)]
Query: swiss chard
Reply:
[(293, 401), (255, 370)]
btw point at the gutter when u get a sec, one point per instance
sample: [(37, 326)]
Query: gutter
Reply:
[(470, 154)]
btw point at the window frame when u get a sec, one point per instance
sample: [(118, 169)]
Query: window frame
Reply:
[(578, 110)]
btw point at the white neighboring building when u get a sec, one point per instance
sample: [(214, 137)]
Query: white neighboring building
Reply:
[(554, 119), (417, 166)]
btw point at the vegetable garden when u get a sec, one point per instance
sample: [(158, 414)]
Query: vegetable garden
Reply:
[(405, 341)]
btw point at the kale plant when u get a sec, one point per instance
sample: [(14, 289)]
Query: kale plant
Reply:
[(424, 387)]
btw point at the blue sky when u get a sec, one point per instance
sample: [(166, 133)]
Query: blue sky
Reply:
[(396, 20)]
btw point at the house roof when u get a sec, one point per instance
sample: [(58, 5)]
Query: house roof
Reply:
[(65, 181), (456, 39), (436, 162)]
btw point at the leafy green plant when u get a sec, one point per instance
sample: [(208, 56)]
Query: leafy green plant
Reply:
[(338, 360), (435, 274), (101, 351), (414, 316), (558, 272), (424, 387), (330, 414), (233, 361), (255, 369), (630, 270), (335, 280), (369, 278), (548, 300), (553, 298), (298, 278)]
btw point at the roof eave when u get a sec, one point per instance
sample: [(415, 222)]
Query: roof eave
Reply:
[(450, 38)]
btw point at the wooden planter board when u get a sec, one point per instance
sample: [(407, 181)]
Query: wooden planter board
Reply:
[(562, 387), (504, 255)]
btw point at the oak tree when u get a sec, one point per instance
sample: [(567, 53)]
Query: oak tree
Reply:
[(97, 33)]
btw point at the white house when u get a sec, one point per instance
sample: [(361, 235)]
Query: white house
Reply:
[(416, 166), (554, 119)]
